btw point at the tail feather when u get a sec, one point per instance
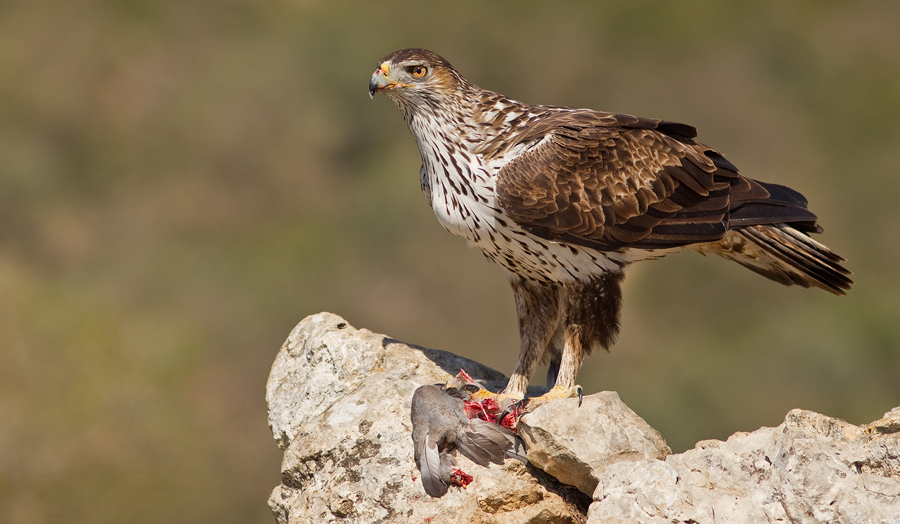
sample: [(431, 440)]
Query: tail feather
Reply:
[(785, 255)]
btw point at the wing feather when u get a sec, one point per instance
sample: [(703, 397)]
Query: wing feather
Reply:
[(430, 467), (607, 181), (483, 442)]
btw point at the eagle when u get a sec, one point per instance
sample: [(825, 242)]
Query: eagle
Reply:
[(565, 199)]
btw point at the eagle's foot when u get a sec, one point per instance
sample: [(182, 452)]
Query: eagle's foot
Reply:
[(510, 415), (556, 393)]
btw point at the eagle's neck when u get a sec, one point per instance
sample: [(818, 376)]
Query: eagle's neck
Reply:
[(438, 120), (457, 177), (469, 119)]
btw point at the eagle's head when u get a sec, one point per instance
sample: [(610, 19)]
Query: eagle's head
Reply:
[(414, 76)]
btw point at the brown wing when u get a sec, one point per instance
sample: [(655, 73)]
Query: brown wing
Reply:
[(617, 180)]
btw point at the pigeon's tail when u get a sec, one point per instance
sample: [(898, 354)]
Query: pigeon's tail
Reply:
[(784, 254), (484, 442)]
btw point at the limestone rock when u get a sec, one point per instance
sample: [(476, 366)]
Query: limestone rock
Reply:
[(575, 444), (811, 468), (339, 403)]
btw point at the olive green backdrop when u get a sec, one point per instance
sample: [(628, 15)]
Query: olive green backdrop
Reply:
[(182, 181)]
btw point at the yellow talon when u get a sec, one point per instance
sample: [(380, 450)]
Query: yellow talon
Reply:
[(556, 393)]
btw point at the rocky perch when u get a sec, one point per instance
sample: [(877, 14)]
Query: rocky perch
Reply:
[(339, 404)]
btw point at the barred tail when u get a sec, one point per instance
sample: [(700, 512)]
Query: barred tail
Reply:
[(785, 255)]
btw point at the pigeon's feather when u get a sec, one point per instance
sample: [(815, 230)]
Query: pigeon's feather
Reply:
[(430, 467), (483, 442)]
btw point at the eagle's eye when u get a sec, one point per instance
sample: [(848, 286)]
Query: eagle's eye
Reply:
[(417, 71)]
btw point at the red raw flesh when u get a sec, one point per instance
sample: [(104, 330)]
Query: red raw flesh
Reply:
[(458, 478), (488, 409)]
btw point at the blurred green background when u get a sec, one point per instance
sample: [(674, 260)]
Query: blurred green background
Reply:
[(182, 181)]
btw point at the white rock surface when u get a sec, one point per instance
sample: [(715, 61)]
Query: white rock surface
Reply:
[(810, 469), (576, 444), (339, 403)]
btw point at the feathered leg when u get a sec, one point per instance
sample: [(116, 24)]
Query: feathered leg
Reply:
[(591, 321), (538, 308)]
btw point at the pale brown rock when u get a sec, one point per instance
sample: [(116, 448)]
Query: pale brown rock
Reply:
[(810, 469), (339, 404), (575, 444)]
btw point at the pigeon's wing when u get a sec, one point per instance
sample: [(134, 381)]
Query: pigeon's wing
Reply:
[(432, 420), (483, 442), (514, 447), (429, 460)]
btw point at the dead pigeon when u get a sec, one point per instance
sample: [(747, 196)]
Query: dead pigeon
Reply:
[(440, 424)]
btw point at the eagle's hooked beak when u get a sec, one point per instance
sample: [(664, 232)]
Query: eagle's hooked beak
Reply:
[(379, 80)]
